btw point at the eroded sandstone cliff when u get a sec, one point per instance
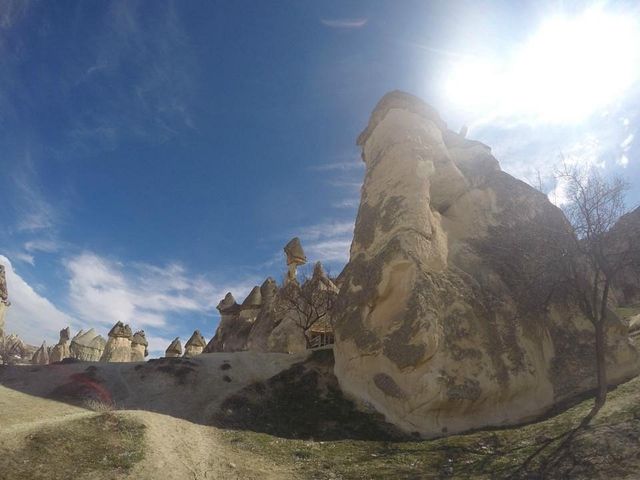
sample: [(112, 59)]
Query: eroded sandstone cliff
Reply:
[(451, 314)]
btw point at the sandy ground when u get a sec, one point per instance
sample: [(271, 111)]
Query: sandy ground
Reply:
[(179, 444)]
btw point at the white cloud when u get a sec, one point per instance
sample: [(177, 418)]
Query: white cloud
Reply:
[(26, 258), (42, 245), (328, 242), (103, 291), (347, 23), (32, 316), (626, 143)]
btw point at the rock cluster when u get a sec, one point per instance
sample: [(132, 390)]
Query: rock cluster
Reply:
[(450, 316), (273, 319), (626, 238)]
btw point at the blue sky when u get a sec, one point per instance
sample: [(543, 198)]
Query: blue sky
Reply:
[(157, 154)]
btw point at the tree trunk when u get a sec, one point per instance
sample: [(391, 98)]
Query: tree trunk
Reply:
[(601, 365)]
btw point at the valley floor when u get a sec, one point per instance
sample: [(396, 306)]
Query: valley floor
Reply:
[(42, 438)]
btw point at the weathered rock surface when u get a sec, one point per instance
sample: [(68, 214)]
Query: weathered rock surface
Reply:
[(449, 316), (139, 346), (87, 346), (295, 258), (41, 355), (118, 347), (266, 319), (62, 349), (626, 238), (174, 349), (233, 330), (195, 345)]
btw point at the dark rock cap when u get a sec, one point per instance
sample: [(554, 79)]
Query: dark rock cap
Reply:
[(227, 304), (196, 340), (120, 330), (295, 253), (175, 346), (65, 334), (140, 338)]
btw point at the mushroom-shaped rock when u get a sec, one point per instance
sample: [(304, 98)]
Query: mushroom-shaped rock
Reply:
[(195, 345), (295, 257), (41, 355), (139, 346), (118, 347), (87, 346), (228, 304), (62, 349), (174, 349)]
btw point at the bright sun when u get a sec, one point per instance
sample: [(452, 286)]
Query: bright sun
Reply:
[(569, 69)]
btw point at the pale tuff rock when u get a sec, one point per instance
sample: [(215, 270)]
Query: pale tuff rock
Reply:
[(626, 237), (266, 319), (449, 316), (233, 330), (87, 346), (118, 347), (195, 345), (41, 355), (16, 350), (295, 258), (62, 349), (139, 346), (174, 349)]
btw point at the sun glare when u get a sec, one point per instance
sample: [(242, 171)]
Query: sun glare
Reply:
[(569, 69)]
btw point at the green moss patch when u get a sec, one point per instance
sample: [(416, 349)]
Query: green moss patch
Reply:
[(106, 443)]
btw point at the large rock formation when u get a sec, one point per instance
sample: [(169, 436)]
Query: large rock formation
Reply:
[(62, 349), (174, 349), (195, 345), (41, 355), (451, 315), (87, 346), (266, 320), (118, 347), (233, 331), (139, 346), (625, 237)]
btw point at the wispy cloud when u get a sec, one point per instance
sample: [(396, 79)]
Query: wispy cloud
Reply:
[(102, 290), (327, 241), (31, 315), (346, 23), (339, 166)]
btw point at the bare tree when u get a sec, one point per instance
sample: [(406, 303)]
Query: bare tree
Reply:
[(593, 205), (308, 304)]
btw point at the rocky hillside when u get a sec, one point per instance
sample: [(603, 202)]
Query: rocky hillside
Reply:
[(295, 424)]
